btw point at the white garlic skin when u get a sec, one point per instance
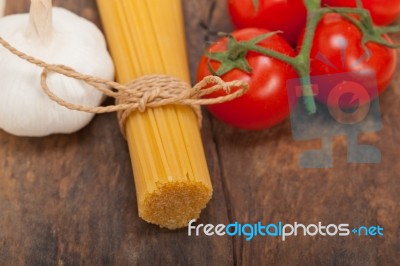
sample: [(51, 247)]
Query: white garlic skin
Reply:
[(25, 110)]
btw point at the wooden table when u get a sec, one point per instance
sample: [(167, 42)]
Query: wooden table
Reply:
[(70, 199)]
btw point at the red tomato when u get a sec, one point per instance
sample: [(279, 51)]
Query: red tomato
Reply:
[(288, 16), (266, 102), (383, 12), (338, 41)]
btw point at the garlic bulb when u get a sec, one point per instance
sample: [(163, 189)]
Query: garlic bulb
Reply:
[(55, 36)]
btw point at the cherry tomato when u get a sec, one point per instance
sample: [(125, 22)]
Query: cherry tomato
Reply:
[(266, 102), (337, 53), (288, 16), (383, 12)]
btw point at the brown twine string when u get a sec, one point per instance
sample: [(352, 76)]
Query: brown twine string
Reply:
[(144, 92)]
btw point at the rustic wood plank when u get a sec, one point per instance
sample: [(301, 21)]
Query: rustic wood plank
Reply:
[(263, 182), (70, 199)]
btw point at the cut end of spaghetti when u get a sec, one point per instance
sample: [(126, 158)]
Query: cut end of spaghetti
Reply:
[(174, 204)]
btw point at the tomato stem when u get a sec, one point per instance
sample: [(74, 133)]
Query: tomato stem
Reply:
[(389, 29), (302, 61), (271, 53), (312, 4), (256, 4)]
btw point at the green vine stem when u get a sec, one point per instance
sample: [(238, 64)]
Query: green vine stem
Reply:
[(235, 55), (256, 4)]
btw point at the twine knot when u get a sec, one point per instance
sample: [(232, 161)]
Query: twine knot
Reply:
[(148, 91)]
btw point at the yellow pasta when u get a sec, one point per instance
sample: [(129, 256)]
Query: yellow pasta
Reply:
[(171, 176)]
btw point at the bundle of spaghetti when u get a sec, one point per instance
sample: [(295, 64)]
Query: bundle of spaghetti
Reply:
[(170, 170)]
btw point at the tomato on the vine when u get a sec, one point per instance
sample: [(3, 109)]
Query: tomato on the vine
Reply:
[(338, 42), (383, 12), (288, 16), (266, 102)]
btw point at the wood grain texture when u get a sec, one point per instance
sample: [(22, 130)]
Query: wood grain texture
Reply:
[(70, 199)]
